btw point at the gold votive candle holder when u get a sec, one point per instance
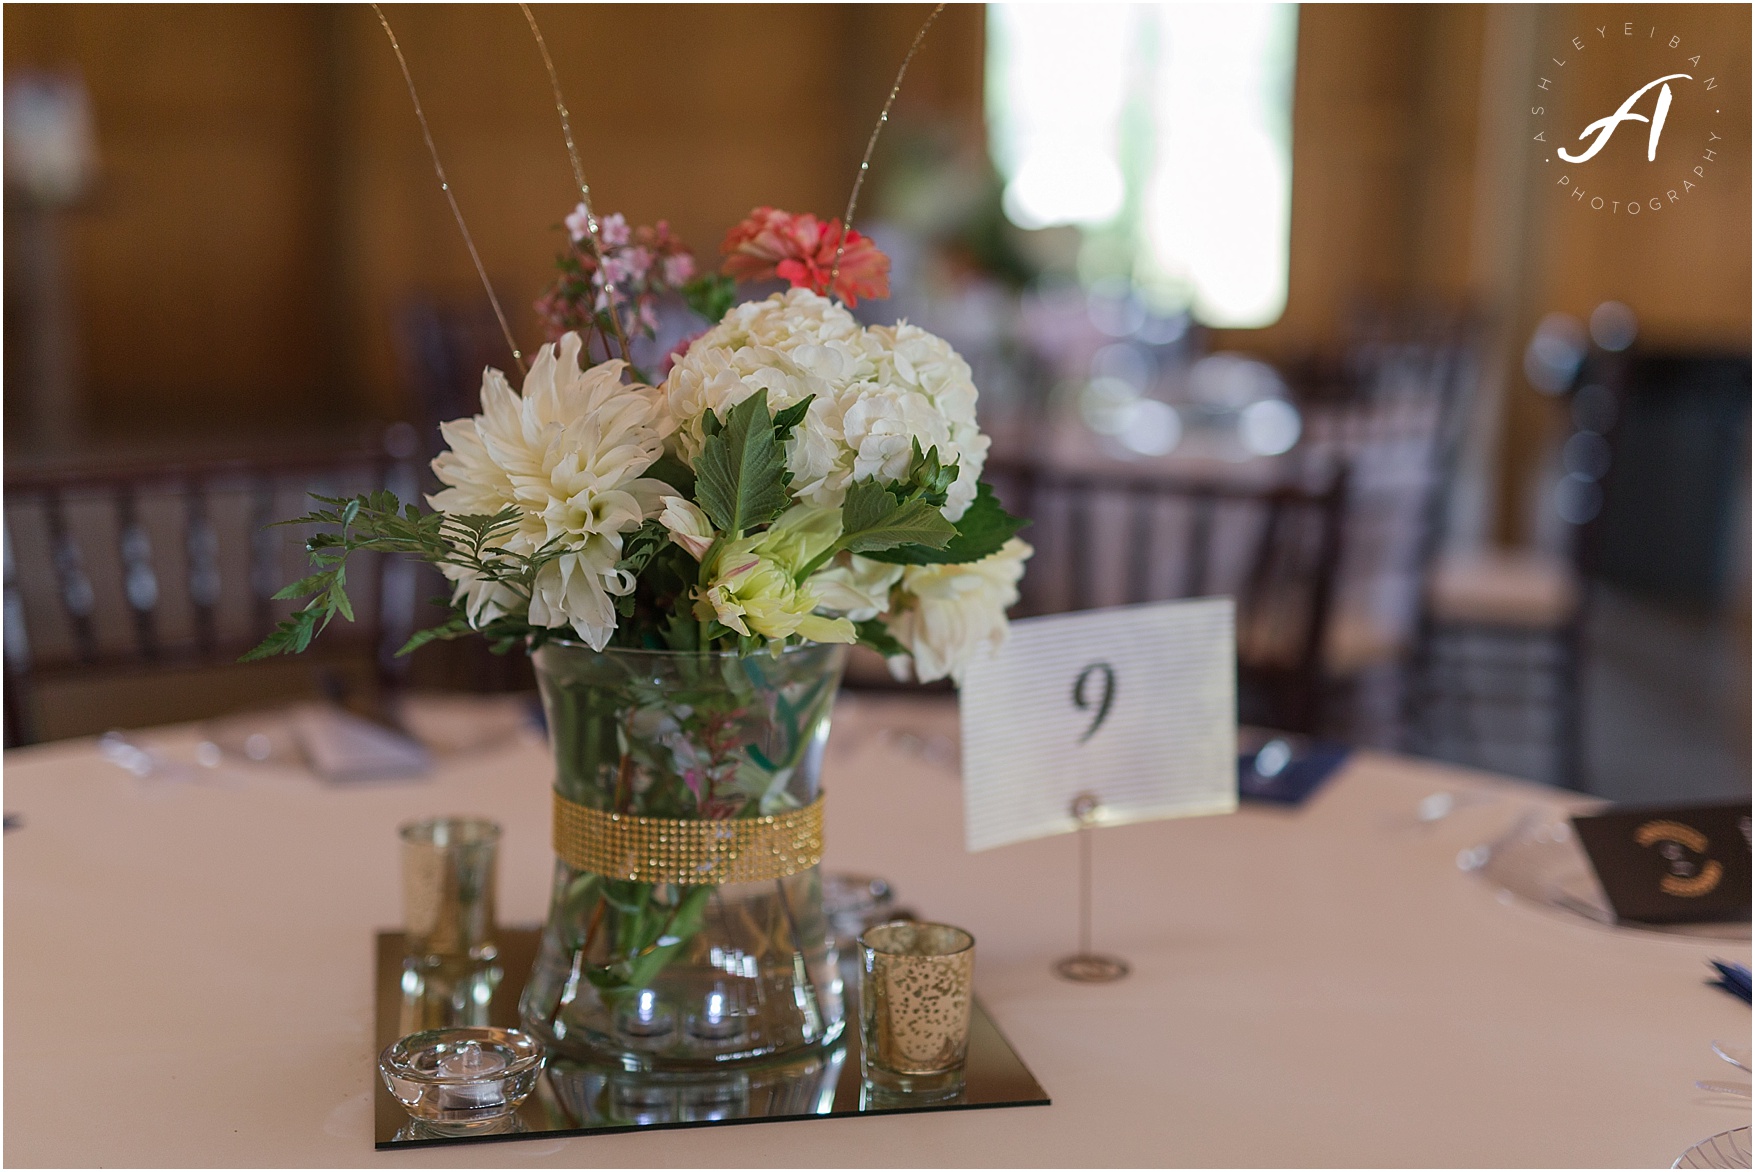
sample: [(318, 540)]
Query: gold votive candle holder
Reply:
[(916, 992), (448, 871)]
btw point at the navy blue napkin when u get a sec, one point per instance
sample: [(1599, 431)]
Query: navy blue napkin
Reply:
[(1733, 978), (1283, 769)]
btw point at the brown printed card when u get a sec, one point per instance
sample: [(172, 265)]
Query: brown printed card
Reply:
[(1675, 864)]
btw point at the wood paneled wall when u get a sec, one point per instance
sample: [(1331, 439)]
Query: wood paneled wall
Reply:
[(198, 263), (267, 202), (1414, 176)]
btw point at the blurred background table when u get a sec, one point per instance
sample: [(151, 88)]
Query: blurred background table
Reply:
[(189, 975)]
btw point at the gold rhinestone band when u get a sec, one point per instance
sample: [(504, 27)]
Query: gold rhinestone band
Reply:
[(689, 851)]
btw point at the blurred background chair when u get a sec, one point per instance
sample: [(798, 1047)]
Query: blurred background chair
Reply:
[(1496, 668), (1394, 406), (131, 592), (1618, 614), (442, 348), (1113, 538)]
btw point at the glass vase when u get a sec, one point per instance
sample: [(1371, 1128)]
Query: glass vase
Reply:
[(657, 956)]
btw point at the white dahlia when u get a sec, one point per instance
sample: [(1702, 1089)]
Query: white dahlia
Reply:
[(855, 587), (877, 391), (568, 455), (949, 615)]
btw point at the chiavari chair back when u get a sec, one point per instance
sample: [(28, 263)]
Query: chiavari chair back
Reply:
[(127, 572), (1115, 537)]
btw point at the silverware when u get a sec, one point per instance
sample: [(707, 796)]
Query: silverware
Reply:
[(1438, 806), (1736, 1057), (1739, 1089), (142, 762)]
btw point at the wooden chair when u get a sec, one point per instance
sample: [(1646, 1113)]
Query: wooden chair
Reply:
[(1395, 409), (1495, 674), (1656, 444), (122, 574), (442, 349), (1117, 537)]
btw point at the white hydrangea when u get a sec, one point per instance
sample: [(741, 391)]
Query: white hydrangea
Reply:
[(950, 615), (876, 391), (926, 365), (568, 455)]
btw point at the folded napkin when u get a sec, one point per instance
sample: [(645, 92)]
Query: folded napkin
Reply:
[(1282, 768), (1733, 978), (343, 747)]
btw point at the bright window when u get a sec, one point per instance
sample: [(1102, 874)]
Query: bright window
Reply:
[(1165, 132)]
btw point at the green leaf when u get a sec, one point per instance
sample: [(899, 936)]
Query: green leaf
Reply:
[(338, 601), (871, 519), (931, 480), (453, 628), (740, 471), (674, 473), (304, 586), (875, 635), (710, 295), (305, 628), (790, 417), (984, 528), (639, 546)]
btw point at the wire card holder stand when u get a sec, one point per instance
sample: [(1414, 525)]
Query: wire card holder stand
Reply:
[(1084, 966)]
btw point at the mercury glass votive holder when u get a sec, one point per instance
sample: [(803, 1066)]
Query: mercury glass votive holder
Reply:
[(465, 1080), (916, 992), (448, 869)]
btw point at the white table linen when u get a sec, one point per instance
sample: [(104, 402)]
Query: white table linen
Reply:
[(188, 974)]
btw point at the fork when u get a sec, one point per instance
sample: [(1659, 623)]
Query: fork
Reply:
[(1739, 1089), (1737, 1059)]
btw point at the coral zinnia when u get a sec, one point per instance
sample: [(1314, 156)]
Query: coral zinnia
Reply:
[(772, 243)]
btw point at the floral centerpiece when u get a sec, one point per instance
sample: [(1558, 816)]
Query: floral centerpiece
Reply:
[(685, 562)]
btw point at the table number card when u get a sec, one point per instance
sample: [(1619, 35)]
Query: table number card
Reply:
[(1135, 705)]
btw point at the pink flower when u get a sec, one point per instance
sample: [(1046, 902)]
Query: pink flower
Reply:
[(677, 352), (578, 224), (618, 267), (639, 261), (679, 269), (773, 243)]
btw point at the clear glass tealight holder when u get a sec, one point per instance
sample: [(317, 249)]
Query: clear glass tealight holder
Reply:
[(469, 1079), (448, 870), (916, 995)]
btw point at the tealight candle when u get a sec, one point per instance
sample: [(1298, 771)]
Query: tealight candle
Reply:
[(470, 1061), (718, 1019), (648, 1017), (465, 1077)]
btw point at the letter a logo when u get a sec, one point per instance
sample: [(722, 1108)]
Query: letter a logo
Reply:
[(1604, 128)]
